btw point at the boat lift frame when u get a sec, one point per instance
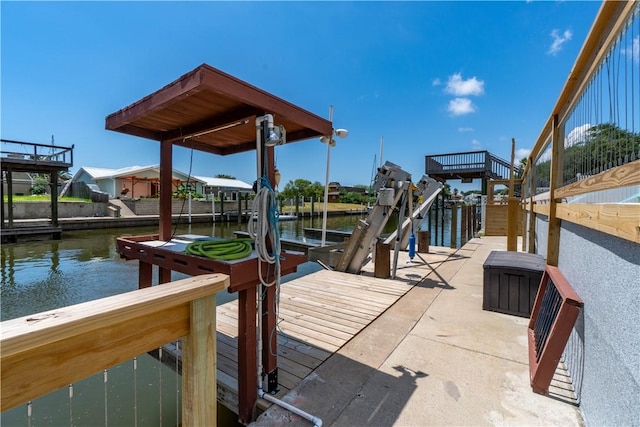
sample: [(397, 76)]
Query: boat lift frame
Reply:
[(357, 251)]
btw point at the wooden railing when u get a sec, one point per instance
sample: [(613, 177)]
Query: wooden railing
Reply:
[(36, 153), (46, 351), (476, 161), (571, 128)]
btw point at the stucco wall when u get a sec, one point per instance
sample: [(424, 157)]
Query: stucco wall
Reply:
[(35, 210), (603, 354), (151, 206)]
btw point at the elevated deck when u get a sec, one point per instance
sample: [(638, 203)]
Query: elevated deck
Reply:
[(468, 166), (22, 156)]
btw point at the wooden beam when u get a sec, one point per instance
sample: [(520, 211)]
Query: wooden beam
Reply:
[(532, 216), (1, 201), (489, 196), (9, 176), (454, 227), (138, 131), (45, 351), (247, 355), (620, 220), (269, 302), (211, 123), (250, 145), (620, 176), (506, 181), (542, 209), (166, 175), (199, 402), (53, 186), (201, 146), (145, 274), (553, 236), (512, 211)]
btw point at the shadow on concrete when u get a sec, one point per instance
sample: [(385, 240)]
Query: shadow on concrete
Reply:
[(345, 392)]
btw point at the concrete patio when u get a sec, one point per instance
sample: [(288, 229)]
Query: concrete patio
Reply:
[(433, 358)]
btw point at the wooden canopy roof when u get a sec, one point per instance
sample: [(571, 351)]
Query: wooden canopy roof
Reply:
[(214, 112)]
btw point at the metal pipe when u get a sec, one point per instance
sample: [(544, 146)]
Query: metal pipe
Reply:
[(326, 195), (317, 422), (326, 180)]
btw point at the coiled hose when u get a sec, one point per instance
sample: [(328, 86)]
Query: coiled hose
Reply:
[(265, 227), (223, 250)]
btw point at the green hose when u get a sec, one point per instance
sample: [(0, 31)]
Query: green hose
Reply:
[(224, 250)]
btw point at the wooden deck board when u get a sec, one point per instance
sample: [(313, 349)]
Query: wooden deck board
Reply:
[(319, 313)]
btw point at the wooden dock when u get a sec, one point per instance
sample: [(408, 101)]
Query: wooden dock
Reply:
[(28, 234), (319, 313)]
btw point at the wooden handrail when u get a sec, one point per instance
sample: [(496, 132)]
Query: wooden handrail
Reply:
[(42, 352)]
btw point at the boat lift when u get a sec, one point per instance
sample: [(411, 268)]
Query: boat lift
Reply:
[(394, 187), (427, 189)]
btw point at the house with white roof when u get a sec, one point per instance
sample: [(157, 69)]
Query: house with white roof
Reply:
[(225, 188), (134, 182)]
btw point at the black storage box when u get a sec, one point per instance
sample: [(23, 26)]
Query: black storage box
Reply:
[(511, 281)]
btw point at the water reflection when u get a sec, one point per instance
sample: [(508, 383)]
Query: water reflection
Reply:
[(84, 265)]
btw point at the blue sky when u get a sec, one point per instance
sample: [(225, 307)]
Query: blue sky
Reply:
[(429, 77)]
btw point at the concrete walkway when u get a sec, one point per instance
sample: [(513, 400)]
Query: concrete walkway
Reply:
[(433, 358)]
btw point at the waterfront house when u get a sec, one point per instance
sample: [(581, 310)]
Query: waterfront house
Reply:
[(335, 189), (22, 183), (224, 188), (134, 182)]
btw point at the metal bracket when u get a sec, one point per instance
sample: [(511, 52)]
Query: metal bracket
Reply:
[(272, 382)]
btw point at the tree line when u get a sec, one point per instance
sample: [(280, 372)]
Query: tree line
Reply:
[(603, 147), (302, 188)]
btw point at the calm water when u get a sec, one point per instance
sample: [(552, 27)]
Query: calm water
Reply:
[(85, 266)]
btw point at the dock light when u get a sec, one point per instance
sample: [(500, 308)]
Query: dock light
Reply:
[(277, 136), (340, 133)]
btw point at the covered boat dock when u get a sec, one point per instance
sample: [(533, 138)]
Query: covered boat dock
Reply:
[(213, 112)]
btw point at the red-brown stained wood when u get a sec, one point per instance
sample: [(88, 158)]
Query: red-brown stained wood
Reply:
[(247, 358), (542, 366), (204, 99)]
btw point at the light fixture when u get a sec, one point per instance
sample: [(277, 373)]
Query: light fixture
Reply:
[(277, 136), (341, 133)]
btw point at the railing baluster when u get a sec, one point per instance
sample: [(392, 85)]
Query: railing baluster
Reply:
[(552, 318)]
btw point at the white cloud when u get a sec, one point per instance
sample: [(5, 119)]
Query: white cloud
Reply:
[(461, 106), (436, 82), (522, 152), (634, 50), (475, 144), (559, 40), (465, 129), (577, 135), (459, 87)]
